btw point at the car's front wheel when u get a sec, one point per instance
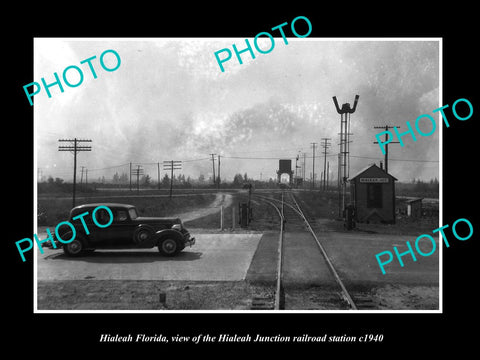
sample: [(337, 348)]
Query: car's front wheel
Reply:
[(74, 248), (169, 247)]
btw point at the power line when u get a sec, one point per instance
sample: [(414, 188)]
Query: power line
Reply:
[(192, 160), (409, 160), (258, 158), (109, 167)]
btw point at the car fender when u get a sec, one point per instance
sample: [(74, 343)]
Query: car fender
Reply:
[(161, 234)]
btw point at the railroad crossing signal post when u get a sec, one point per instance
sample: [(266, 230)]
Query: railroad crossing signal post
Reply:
[(74, 149), (245, 208), (344, 164)]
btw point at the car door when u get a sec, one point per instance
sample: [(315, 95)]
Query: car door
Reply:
[(123, 227), (103, 236)]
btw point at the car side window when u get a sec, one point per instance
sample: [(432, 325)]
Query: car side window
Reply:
[(120, 215)]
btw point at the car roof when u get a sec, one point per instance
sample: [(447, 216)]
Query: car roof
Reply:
[(110, 205)]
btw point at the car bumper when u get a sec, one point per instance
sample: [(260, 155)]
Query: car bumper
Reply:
[(190, 242)]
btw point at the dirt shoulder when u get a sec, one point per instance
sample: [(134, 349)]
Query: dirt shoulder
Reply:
[(147, 295)]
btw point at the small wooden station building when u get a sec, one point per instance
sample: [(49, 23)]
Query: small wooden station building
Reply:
[(372, 192)]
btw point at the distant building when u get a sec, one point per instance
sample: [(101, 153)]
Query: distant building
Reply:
[(373, 195), (414, 207)]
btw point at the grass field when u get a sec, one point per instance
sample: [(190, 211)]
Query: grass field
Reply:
[(325, 206), (54, 209)]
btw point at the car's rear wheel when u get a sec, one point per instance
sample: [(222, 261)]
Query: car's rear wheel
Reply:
[(169, 247), (74, 248)]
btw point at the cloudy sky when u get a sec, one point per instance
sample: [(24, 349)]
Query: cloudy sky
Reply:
[(169, 100)]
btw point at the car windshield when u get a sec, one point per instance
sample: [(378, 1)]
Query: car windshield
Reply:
[(133, 213)]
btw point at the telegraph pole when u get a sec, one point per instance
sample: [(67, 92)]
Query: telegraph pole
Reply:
[(81, 179), (213, 165), (386, 127), (339, 184), (313, 165), (172, 165), (130, 176), (296, 171), (74, 149), (325, 146), (218, 177), (158, 174), (328, 171), (137, 172), (304, 169)]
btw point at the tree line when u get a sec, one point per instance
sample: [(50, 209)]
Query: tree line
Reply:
[(416, 187)]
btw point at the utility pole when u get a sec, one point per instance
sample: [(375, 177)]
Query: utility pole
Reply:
[(326, 145), (158, 174), (328, 171), (218, 177), (75, 149), (130, 176), (172, 165), (313, 165), (386, 127), (339, 184), (304, 169), (81, 179), (296, 171), (137, 172), (213, 165), (86, 178)]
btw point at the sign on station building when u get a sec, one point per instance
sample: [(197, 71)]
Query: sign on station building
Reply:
[(373, 195)]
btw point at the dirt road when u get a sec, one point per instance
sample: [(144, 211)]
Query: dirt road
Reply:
[(221, 199)]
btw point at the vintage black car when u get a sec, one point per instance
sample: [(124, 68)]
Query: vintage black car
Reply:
[(128, 230)]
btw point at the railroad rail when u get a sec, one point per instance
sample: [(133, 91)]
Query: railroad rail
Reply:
[(279, 206)]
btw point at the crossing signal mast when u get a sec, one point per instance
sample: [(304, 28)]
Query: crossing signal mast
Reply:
[(344, 163)]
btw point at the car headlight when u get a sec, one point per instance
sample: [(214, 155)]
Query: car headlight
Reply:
[(177, 227)]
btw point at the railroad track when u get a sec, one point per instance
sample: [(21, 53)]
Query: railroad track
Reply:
[(290, 212)]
